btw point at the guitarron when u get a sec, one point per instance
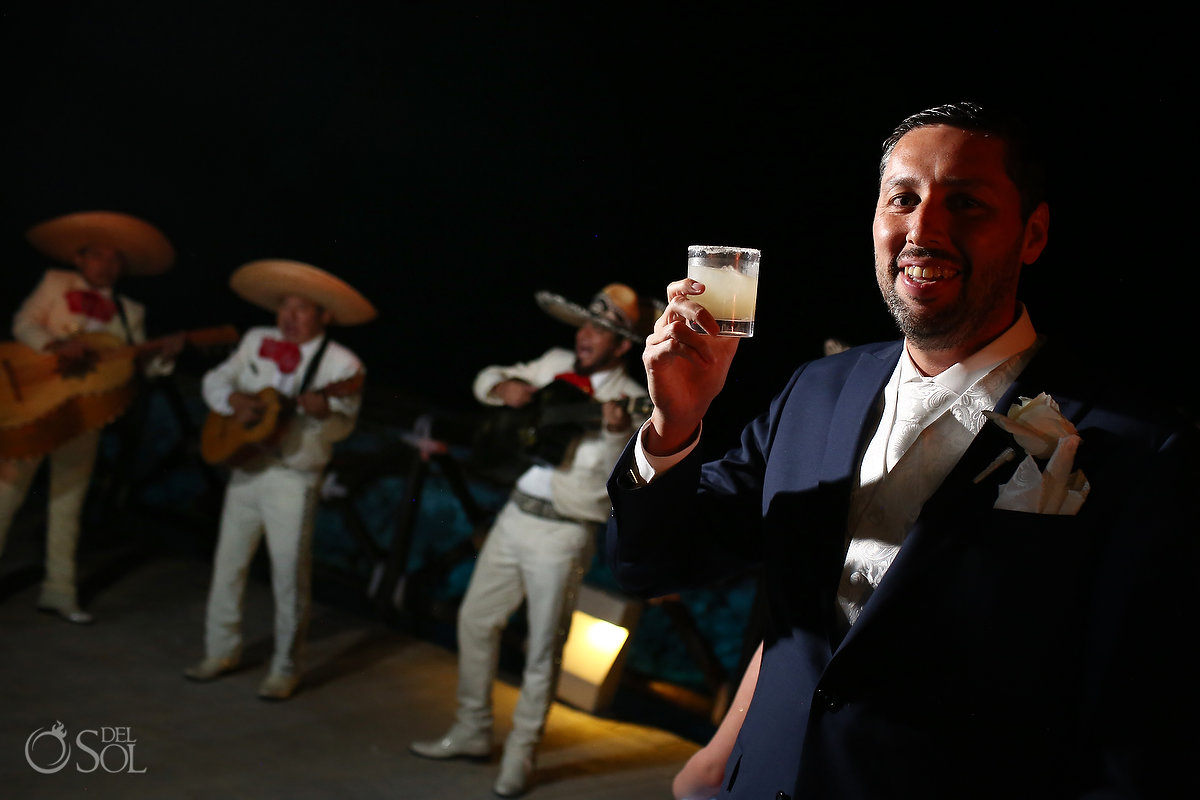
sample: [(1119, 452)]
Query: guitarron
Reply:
[(42, 409), (509, 440)]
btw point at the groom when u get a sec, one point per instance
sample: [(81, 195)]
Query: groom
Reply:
[(954, 610)]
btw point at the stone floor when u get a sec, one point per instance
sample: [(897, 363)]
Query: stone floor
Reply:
[(134, 728)]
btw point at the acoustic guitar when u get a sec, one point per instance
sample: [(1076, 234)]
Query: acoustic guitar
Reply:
[(43, 407), (540, 432), (225, 441)]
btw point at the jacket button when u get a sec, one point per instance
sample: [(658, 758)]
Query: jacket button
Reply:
[(829, 700), (782, 796)]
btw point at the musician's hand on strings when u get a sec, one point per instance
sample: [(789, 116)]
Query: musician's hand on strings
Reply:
[(615, 414), (75, 359), (513, 392), (248, 409), (314, 404), (171, 346), (686, 366), (163, 351)]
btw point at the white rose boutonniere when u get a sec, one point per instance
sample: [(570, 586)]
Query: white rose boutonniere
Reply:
[(1039, 427)]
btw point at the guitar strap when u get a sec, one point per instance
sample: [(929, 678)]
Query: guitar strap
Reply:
[(124, 320), (311, 369), (138, 375)]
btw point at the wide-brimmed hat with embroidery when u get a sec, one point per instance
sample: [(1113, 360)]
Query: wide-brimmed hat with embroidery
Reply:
[(268, 281), (143, 247), (615, 307)]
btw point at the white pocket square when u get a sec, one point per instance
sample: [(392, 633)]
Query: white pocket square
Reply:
[(1056, 490)]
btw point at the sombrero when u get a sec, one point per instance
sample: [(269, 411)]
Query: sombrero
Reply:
[(144, 248), (267, 281), (615, 307)]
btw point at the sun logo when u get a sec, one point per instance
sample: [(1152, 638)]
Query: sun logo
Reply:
[(57, 732)]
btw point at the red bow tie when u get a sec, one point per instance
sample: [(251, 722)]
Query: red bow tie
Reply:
[(91, 303), (581, 382), (285, 354)]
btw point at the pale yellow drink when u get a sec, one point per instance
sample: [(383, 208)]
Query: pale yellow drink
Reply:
[(730, 278)]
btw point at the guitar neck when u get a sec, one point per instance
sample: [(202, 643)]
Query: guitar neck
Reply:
[(590, 412), (343, 388), (202, 337)]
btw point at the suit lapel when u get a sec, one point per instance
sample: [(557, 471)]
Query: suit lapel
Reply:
[(943, 515), (855, 412)]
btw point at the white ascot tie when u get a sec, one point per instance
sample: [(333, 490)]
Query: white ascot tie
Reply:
[(919, 402)]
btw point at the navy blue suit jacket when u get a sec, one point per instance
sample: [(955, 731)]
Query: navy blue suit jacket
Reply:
[(1004, 654)]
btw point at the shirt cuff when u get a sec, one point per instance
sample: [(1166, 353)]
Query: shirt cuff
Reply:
[(647, 466), (222, 406)]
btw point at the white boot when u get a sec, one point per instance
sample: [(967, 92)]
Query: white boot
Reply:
[(63, 603), (516, 772), (457, 743), (210, 669), (278, 686)]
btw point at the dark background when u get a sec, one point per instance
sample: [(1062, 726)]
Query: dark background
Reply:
[(451, 159)]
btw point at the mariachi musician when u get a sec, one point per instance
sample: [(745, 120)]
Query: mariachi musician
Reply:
[(542, 541), (276, 490), (102, 246)]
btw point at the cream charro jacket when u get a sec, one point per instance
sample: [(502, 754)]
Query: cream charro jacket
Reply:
[(45, 317)]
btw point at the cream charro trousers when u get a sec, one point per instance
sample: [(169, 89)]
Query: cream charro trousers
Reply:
[(541, 561), (70, 474), (279, 502)]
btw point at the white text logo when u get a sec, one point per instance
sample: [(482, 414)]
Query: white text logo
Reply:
[(109, 748)]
